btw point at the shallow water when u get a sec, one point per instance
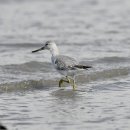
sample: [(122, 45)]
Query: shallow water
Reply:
[(95, 32)]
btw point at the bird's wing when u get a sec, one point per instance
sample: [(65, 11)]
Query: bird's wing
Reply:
[(65, 62)]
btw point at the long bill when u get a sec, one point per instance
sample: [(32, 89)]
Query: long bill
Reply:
[(38, 50)]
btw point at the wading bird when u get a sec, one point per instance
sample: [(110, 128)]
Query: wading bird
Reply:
[(65, 65)]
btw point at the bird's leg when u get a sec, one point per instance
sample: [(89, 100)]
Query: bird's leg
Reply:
[(68, 79), (74, 85), (62, 81), (72, 82)]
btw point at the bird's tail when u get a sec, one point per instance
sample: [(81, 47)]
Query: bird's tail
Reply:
[(82, 67)]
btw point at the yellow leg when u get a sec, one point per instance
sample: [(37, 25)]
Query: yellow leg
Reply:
[(68, 79), (62, 81), (74, 85), (72, 82)]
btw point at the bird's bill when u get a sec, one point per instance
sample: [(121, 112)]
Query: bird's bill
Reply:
[(38, 50)]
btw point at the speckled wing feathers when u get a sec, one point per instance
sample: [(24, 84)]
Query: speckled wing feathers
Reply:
[(65, 63)]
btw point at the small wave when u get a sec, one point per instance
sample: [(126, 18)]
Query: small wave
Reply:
[(32, 66), (106, 60), (105, 74), (113, 60), (53, 82), (27, 85)]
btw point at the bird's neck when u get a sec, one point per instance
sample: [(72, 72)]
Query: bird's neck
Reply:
[(54, 51)]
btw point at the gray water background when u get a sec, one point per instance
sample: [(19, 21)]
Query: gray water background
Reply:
[(95, 32)]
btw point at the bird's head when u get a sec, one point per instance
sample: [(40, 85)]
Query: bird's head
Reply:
[(51, 46)]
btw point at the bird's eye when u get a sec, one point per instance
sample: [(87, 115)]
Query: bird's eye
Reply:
[(46, 44)]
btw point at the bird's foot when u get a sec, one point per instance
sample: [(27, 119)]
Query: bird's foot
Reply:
[(70, 81), (61, 82)]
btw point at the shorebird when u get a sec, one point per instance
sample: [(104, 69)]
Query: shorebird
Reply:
[(65, 65)]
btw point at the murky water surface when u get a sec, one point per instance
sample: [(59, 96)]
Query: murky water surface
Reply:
[(95, 32)]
